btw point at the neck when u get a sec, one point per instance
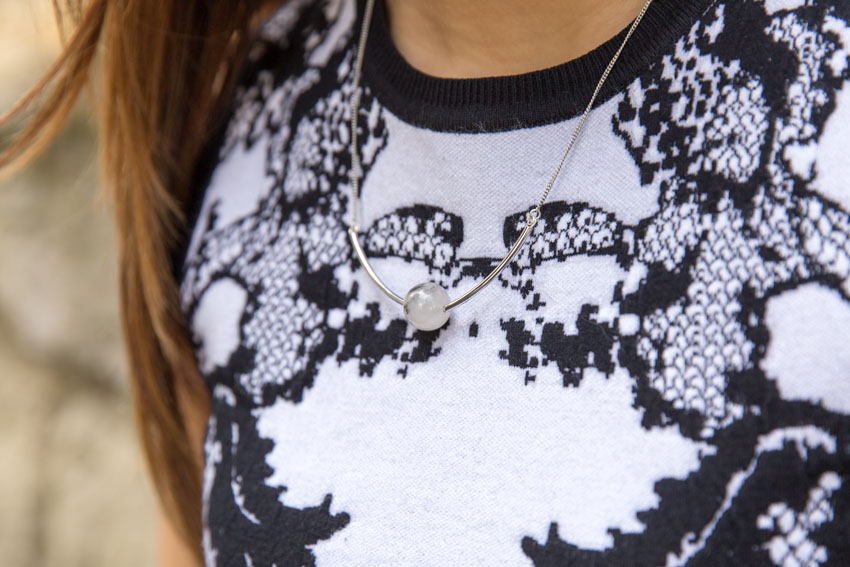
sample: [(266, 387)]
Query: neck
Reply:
[(485, 38)]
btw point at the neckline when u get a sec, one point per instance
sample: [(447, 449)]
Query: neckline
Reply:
[(501, 103)]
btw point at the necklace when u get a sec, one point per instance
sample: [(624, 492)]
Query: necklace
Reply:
[(427, 305)]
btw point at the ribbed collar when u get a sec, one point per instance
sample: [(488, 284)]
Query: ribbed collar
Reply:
[(519, 101)]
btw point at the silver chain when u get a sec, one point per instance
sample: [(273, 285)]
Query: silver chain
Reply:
[(356, 165), (533, 214)]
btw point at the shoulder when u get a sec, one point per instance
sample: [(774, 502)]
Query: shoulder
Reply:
[(755, 88), (289, 91), (298, 44)]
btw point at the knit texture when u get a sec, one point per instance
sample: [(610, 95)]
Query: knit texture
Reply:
[(660, 378)]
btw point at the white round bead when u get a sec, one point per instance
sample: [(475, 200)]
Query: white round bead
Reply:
[(424, 306)]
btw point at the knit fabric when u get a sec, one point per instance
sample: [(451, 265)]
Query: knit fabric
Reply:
[(660, 378)]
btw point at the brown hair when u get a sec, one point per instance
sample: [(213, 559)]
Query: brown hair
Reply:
[(166, 70)]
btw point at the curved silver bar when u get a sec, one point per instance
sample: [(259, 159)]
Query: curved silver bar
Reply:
[(513, 252), (352, 234)]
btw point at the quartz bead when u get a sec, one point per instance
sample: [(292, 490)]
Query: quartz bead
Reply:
[(424, 306)]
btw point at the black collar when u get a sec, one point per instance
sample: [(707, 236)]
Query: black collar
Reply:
[(518, 101)]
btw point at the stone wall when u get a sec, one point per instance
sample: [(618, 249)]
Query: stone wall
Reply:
[(73, 490)]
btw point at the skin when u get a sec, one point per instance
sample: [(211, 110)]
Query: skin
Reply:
[(484, 38), (172, 551), (194, 405), (461, 39)]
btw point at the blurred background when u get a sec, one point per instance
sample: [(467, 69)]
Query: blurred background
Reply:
[(73, 489)]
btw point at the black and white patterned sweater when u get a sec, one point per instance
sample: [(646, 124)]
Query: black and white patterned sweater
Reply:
[(661, 378)]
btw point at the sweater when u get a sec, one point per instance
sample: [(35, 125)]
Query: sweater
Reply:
[(661, 377)]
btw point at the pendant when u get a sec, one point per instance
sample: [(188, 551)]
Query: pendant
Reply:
[(425, 306)]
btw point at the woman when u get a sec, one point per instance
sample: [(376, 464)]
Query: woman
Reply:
[(658, 376)]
